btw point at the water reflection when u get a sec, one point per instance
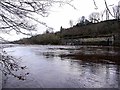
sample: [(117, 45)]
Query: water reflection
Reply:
[(48, 69)]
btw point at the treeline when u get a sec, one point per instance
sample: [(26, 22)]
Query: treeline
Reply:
[(44, 39), (104, 28)]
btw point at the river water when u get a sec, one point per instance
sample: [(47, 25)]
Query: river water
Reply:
[(47, 69)]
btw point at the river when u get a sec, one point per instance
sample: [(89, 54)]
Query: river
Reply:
[(49, 67)]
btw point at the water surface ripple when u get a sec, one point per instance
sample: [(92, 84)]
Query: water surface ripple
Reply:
[(48, 69)]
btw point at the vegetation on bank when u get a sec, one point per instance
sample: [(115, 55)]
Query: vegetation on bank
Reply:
[(92, 29), (80, 30), (44, 39)]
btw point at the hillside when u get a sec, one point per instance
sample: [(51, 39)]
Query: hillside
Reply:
[(93, 30), (80, 34)]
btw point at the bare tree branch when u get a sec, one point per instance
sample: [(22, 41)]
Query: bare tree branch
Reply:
[(16, 15), (95, 4), (9, 65), (108, 9)]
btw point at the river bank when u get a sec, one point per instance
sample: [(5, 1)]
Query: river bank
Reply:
[(104, 33)]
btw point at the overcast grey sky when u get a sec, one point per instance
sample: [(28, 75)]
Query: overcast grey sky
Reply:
[(60, 16)]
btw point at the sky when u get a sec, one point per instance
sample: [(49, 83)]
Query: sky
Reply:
[(60, 16)]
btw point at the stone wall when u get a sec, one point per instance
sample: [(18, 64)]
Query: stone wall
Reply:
[(105, 40), (117, 40)]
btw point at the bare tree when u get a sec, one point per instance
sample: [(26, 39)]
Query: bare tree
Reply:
[(16, 15), (116, 11), (107, 11), (82, 20), (94, 17)]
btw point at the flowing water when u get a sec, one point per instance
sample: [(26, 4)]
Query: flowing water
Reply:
[(50, 67)]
